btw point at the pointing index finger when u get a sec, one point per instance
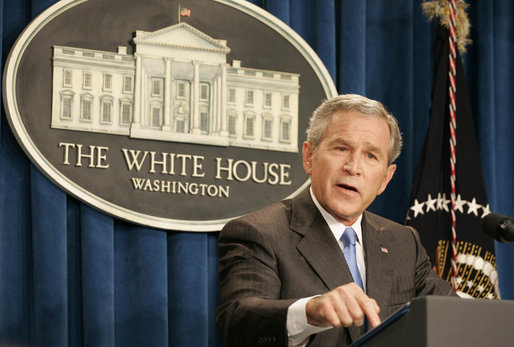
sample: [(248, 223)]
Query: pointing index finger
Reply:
[(371, 310)]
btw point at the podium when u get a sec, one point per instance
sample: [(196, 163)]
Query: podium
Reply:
[(445, 321)]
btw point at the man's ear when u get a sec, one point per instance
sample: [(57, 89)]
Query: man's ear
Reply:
[(387, 178), (307, 157)]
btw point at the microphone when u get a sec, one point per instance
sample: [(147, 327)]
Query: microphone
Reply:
[(499, 226)]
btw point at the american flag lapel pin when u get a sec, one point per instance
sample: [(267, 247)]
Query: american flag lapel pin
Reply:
[(384, 250)]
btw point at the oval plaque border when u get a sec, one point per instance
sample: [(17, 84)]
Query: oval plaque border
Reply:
[(16, 123)]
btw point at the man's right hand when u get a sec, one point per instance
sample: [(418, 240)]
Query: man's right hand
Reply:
[(344, 306)]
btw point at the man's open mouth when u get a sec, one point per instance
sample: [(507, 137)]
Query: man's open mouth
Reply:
[(347, 187)]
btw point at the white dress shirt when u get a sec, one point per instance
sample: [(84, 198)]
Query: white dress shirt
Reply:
[(298, 330)]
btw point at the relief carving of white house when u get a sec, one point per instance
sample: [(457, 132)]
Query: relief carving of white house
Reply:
[(177, 86)]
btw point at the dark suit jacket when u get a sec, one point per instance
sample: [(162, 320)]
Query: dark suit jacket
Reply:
[(274, 256)]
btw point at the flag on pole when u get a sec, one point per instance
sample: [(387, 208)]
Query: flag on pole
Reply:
[(185, 12), (448, 187)]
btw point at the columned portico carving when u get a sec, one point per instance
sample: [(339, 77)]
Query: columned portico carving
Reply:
[(182, 84)]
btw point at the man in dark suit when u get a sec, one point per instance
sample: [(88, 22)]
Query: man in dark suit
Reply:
[(310, 270)]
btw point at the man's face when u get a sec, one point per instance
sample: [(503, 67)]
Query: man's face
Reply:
[(350, 167)]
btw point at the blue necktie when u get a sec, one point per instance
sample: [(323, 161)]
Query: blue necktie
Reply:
[(348, 238)]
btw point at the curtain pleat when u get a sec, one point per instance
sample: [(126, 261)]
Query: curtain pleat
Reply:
[(325, 35), (188, 264), (351, 47), (71, 275), (74, 272), (503, 76), (279, 8), (15, 242), (1, 55), (140, 286), (49, 261), (213, 300), (97, 277)]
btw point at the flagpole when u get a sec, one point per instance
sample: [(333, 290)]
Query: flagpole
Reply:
[(453, 139), (178, 13)]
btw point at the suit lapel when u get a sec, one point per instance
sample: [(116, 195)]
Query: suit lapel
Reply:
[(318, 246), (378, 267)]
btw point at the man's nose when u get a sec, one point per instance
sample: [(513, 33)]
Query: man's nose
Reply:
[(352, 164)]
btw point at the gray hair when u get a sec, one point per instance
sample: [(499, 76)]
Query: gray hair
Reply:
[(356, 103)]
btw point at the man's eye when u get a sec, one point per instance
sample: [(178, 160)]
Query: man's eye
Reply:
[(341, 149), (371, 156)]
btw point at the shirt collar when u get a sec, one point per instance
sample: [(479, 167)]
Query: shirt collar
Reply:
[(335, 226)]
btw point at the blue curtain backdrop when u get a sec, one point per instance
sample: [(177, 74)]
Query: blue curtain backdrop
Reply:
[(70, 275)]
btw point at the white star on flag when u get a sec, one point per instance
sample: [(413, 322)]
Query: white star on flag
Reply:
[(486, 210), (473, 207), (430, 203), (459, 204), (417, 208)]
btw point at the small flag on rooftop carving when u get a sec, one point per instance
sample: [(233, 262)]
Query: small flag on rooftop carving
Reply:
[(185, 12)]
